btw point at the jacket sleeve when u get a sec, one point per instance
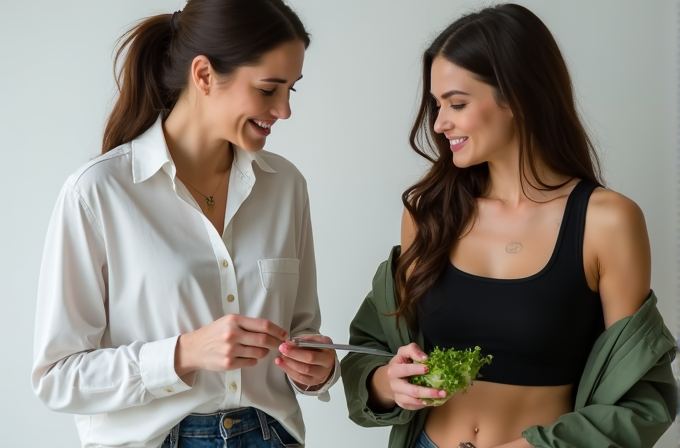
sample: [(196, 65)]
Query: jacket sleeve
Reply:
[(637, 420), (366, 330)]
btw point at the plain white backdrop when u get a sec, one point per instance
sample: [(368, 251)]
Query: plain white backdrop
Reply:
[(348, 135)]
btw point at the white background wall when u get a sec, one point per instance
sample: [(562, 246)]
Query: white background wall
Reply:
[(348, 135)]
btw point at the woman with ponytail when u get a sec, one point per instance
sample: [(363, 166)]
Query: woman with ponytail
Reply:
[(179, 264)]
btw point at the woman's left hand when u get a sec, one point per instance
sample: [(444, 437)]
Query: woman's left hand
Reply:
[(308, 367)]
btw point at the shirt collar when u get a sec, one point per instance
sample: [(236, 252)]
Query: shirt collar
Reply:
[(150, 154), (243, 160)]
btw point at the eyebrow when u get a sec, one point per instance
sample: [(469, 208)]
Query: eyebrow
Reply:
[(279, 80), (451, 93)]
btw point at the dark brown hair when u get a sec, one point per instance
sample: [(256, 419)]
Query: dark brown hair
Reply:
[(511, 50), (160, 49)]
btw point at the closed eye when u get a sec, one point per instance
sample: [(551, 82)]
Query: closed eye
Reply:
[(266, 92), (458, 106)]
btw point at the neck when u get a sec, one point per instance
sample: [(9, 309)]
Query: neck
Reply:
[(513, 187), (195, 151)]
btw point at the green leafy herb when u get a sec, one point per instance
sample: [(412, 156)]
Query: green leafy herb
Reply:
[(450, 370)]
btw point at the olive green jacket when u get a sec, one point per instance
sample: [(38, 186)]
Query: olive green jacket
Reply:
[(626, 397)]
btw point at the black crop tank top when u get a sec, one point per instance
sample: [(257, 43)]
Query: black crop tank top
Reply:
[(539, 329)]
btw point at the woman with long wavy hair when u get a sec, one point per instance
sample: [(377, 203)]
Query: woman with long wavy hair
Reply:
[(179, 263), (509, 242)]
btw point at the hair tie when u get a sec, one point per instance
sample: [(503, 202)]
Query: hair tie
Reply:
[(174, 19)]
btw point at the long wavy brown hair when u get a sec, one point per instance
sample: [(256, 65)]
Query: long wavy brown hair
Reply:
[(510, 49), (157, 54)]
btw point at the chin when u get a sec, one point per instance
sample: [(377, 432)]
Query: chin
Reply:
[(254, 148), (459, 162), (251, 146)]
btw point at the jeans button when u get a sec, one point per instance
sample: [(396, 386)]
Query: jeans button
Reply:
[(227, 423)]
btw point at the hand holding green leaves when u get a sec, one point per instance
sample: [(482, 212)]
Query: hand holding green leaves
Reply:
[(451, 370)]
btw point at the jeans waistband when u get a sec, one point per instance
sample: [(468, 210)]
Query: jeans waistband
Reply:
[(227, 423), (424, 441), (224, 423)]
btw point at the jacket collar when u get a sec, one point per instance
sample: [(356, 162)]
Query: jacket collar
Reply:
[(387, 303)]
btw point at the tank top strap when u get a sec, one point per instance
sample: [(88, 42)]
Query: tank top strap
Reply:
[(575, 217)]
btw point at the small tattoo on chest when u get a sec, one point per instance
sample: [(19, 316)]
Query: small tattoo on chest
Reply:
[(513, 248)]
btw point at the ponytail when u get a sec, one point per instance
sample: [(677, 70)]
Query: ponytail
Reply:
[(142, 94)]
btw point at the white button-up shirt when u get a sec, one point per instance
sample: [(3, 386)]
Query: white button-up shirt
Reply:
[(131, 262)]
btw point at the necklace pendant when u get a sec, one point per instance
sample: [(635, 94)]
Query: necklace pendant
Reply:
[(210, 202)]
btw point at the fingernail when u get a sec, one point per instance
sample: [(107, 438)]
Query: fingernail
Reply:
[(423, 357), (442, 393), (425, 369)]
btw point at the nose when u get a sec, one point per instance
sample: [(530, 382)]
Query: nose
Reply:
[(281, 109), (442, 123)]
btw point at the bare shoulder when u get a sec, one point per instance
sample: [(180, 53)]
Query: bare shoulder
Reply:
[(617, 227), (611, 211), (617, 235)]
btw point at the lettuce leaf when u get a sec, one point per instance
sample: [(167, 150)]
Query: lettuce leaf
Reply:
[(451, 370)]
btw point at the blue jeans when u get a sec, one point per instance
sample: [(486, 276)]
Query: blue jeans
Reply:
[(235, 428), (424, 441)]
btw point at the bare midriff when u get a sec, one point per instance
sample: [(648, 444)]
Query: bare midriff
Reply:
[(491, 414)]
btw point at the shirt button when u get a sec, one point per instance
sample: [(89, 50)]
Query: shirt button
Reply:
[(168, 390), (230, 298), (225, 263), (233, 386)]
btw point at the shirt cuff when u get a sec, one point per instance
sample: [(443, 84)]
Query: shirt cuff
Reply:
[(322, 393), (157, 366)]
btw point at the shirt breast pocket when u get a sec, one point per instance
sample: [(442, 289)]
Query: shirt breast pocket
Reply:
[(280, 276)]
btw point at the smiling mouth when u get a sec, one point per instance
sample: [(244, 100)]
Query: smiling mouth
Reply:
[(261, 124), (458, 143), (261, 127)]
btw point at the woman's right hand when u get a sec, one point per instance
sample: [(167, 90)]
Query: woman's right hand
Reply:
[(390, 384), (231, 342)]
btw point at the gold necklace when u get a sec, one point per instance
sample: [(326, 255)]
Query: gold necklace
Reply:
[(209, 200)]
